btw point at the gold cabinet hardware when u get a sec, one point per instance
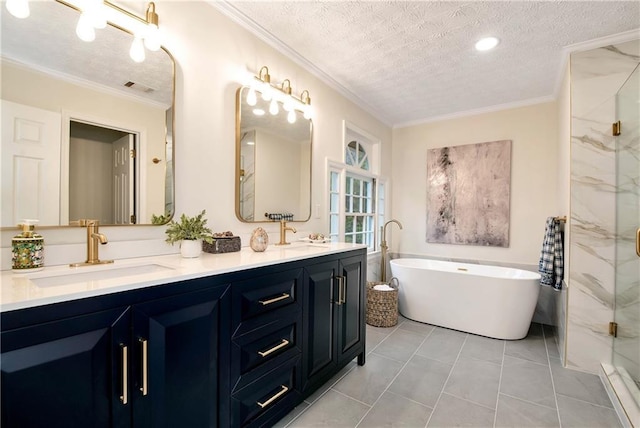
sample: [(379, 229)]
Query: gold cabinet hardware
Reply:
[(616, 128), (613, 329), (124, 396), (341, 290), (274, 398), (144, 384), (638, 242), (280, 345), (133, 153), (275, 299), (156, 160)]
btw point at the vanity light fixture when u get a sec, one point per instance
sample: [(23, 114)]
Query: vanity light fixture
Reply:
[(18, 8), (275, 94), (487, 43), (94, 14)]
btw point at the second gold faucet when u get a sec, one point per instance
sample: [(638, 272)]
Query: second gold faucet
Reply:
[(283, 232)]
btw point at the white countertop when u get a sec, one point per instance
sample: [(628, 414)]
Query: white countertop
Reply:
[(63, 283)]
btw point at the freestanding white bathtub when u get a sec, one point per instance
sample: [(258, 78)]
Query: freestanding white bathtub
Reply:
[(490, 301)]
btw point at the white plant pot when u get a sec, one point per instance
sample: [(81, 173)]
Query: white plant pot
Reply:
[(191, 249)]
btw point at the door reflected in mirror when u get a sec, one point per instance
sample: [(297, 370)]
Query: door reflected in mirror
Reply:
[(65, 103), (273, 162)]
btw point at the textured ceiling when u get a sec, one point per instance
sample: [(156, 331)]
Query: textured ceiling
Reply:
[(408, 62)]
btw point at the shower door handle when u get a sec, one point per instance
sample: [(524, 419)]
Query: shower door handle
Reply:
[(638, 242)]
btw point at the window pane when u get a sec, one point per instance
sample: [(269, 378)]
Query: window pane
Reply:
[(348, 189), (359, 239), (359, 224), (335, 179), (365, 164), (356, 187), (333, 207), (381, 191), (347, 204), (356, 205), (368, 208), (351, 154), (366, 188), (348, 224), (335, 224)]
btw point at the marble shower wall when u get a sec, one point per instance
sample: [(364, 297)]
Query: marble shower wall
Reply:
[(596, 76)]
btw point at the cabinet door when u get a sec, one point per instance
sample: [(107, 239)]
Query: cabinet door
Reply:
[(60, 374), (351, 320), (319, 325), (177, 354)]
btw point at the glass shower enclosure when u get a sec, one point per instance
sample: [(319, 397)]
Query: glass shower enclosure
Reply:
[(626, 345)]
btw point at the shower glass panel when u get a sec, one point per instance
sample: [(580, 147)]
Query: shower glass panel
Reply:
[(626, 346)]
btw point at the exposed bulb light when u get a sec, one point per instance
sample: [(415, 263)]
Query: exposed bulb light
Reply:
[(273, 107), (152, 36), (266, 93), (291, 117), (487, 43), (137, 50), (85, 30), (95, 13), (251, 143), (258, 112), (18, 8), (252, 98)]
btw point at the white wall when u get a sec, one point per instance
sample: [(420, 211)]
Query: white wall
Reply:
[(534, 194), (212, 55)]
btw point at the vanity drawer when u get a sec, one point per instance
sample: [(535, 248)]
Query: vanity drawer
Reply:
[(257, 348), (269, 397), (263, 294)]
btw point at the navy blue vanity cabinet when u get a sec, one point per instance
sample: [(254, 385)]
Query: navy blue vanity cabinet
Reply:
[(60, 373), (334, 318), (153, 357), (266, 346), (175, 360)]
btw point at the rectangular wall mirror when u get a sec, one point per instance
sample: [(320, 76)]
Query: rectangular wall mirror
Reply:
[(86, 131), (273, 162)]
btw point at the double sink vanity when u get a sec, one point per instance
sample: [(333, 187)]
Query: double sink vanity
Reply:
[(229, 340)]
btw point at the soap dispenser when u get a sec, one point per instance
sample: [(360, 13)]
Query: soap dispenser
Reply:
[(27, 249)]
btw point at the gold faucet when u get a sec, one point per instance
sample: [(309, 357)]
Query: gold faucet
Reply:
[(283, 232), (384, 248), (93, 238)]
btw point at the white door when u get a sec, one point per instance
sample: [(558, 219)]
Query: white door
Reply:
[(30, 164), (123, 179)]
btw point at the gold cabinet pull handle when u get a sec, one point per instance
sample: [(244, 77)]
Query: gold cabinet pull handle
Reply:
[(124, 397), (280, 345), (341, 290), (274, 398), (145, 366), (638, 242), (275, 299)]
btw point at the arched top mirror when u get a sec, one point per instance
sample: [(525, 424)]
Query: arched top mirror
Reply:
[(273, 162), (86, 131)]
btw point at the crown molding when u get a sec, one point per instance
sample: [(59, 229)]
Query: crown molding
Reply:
[(478, 111)]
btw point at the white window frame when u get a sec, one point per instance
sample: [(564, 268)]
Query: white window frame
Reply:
[(338, 214)]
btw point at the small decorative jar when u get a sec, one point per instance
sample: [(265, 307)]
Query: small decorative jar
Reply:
[(259, 240), (27, 249)]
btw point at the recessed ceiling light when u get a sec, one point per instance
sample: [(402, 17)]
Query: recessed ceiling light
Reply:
[(487, 43)]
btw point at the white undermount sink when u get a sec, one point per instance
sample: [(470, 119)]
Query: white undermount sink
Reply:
[(95, 273)]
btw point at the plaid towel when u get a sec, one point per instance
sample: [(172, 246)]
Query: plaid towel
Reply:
[(551, 265)]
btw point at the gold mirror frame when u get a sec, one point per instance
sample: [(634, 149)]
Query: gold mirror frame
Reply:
[(166, 188), (278, 125)]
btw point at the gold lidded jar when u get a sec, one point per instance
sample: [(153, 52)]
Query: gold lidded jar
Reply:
[(27, 249), (259, 240)]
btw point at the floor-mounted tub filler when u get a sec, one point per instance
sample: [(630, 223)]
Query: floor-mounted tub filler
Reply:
[(490, 301)]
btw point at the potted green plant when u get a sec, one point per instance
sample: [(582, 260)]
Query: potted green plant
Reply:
[(190, 232)]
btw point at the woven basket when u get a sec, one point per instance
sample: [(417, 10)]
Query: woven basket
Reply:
[(382, 306)]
